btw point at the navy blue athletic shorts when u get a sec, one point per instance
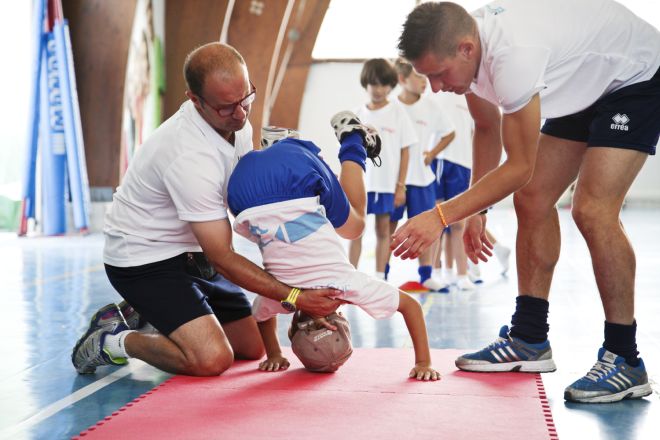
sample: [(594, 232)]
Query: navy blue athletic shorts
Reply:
[(455, 180), (418, 200), (627, 118), (380, 203), (169, 293)]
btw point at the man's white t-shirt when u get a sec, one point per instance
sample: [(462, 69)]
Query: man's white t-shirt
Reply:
[(572, 52), (431, 125), (396, 132), (179, 175), (459, 151)]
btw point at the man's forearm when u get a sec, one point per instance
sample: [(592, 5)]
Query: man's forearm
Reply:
[(241, 271), (486, 152), (490, 189)]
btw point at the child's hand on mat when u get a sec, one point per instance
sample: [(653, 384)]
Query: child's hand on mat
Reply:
[(274, 363), (423, 371)]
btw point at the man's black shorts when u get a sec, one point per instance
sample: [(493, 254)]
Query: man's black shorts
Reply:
[(169, 293), (628, 118)]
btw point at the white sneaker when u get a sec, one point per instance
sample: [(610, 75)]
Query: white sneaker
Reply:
[(347, 122), (436, 285), (464, 283), (474, 273), (272, 134), (502, 253), (448, 276)]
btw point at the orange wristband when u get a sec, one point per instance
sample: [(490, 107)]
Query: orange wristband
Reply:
[(442, 216)]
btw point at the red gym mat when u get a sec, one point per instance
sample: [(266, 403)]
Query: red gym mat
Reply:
[(369, 397)]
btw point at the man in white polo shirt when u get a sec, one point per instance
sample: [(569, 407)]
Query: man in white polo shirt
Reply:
[(590, 67), (168, 245)]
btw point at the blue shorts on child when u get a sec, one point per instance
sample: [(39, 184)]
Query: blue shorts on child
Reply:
[(380, 203), (418, 200), (455, 179)]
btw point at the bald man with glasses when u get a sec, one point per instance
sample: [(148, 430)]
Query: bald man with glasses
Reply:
[(168, 241)]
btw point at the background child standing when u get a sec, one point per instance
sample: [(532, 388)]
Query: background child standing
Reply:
[(386, 185), (434, 131)]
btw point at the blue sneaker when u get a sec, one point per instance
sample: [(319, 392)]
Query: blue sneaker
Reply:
[(611, 379), (509, 354)]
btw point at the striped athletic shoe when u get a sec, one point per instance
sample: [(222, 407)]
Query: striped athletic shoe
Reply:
[(134, 320), (88, 352), (130, 315), (509, 354), (611, 379)]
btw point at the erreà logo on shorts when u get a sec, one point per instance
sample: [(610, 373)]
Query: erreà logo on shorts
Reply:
[(620, 121)]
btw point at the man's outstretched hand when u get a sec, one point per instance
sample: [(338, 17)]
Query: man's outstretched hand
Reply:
[(417, 234), (476, 243)]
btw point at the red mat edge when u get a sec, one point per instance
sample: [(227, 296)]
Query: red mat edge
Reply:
[(126, 407), (545, 407)]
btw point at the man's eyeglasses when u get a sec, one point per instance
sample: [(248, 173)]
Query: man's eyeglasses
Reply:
[(229, 109)]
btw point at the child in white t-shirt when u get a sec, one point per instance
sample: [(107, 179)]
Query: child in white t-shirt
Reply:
[(386, 185), (434, 131)]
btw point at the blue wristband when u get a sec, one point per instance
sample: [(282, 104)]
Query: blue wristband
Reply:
[(353, 150)]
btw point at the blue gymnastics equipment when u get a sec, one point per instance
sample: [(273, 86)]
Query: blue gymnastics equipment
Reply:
[(29, 176)]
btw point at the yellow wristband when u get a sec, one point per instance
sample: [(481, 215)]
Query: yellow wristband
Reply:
[(293, 295), (442, 216), (289, 303)]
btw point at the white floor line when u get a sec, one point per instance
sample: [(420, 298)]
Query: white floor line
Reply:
[(56, 407)]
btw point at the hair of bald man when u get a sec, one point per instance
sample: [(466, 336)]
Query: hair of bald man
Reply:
[(208, 59), (436, 27)]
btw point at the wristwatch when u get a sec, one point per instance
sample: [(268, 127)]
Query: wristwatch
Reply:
[(289, 303)]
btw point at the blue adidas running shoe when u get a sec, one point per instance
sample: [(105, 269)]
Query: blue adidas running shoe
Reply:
[(611, 379), (509, 354)]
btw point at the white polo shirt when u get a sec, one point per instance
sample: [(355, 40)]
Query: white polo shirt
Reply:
[(179, 175), (571, 51), (431, 124), (396, 133)]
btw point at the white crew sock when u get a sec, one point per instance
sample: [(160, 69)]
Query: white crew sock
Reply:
[(114, 344), (380, 275)]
